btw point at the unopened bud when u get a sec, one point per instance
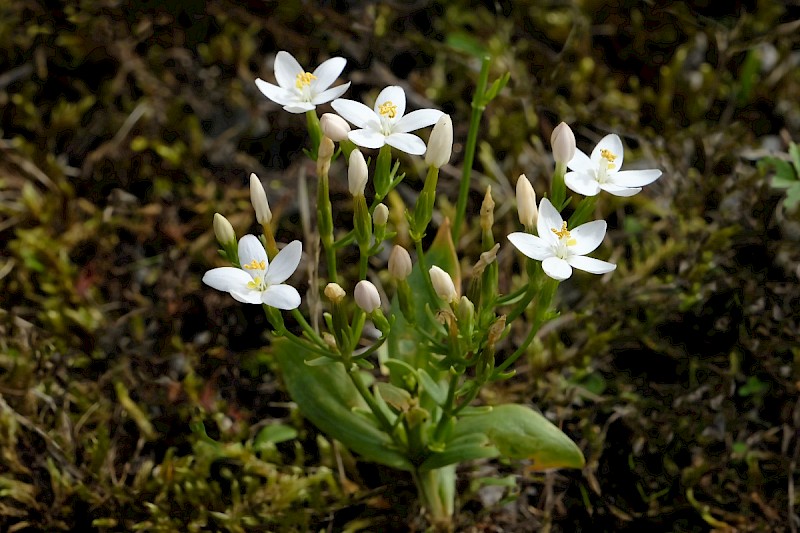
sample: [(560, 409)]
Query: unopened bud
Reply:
[(334, 127), (223, 231), (366, 296), (443, 284), (399, 263), (326, 149), (259, 200), (526, 202), (487, 211), (381, 215), (440, 143), (563, 143), (487, 258), (357, 173), (334, 292), (329, 339)]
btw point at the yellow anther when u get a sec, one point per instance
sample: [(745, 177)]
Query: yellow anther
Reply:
[(563, 233), (256, 265), (255, 284), (303, 79), (388, 109), (608, 156)]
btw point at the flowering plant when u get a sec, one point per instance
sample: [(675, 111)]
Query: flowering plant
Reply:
[(396, 380)]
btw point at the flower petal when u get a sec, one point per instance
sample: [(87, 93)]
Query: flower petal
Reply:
[(354, 112), (617, 190), (556, 268), (580, 162), (394, 94), (407, 142), (247, 296), (281, 296), (330, 94), (277, 94), (531, 245), (590, 264), (581, 183), (251, 251), (286, 69), (367, 138), (299, 107), (549, 219), (635, 178), (327, 73), (227, 279), (285, 263), (613, 144), (421, 118), (587, 237)]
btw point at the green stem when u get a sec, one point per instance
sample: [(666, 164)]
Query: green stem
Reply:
[(544, 300), (358, 381), (478, 105), (426, 275), (436, 489), (307, 328), (582, 212)]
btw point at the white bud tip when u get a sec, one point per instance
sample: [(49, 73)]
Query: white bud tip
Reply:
[(366, 296), (440, 144), (258, 197)]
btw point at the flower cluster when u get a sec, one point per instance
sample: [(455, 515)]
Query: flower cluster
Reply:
[(441, 339)]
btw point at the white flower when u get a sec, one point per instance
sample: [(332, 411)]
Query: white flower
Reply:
[(387, 123), (601, 171), (258, 281), (560, 250), (299, 91)]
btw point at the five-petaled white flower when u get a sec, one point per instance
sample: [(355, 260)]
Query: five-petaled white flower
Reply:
[(387, 123), (560, 249), (601, 170), (258, 281), (299, 91)]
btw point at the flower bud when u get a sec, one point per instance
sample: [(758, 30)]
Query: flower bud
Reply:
[(326, 148), (334, 292), (259, 200), (334, 127), (224, 231), (563, 143), (443, 284), (487, 210), (357, 173), (367, 297), (526, 202), (440, 143), (399, 263), (381, 215)]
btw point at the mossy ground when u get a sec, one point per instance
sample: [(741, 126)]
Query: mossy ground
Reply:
[(124, 128)]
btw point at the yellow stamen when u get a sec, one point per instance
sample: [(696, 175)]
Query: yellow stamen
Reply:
[(563, 233), (608, 156), (256, 265), (304, 79), (255, 284), (388, 109)]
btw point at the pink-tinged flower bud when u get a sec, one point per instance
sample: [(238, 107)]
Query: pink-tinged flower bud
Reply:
[(334, 292), (443, 284), (367, 297), (399, 263), (381, 215), (224, 231), (357, 173), (563, 143), (259, 200), (526, 202), (440, 144), (334, 127)]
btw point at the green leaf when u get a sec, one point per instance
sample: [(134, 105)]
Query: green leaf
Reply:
[(458, 450), (518, 432), (274, 433), (464, 42), (327, 397), (437, 391), (792, 197), (794, 152)]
